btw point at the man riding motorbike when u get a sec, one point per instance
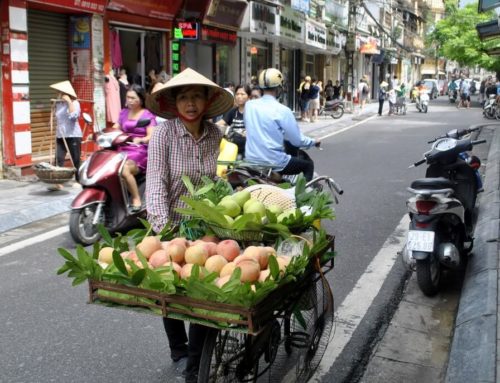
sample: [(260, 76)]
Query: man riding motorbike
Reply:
[(271, 125)]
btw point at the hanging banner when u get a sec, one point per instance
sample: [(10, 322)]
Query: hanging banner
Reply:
[(150, 8), (315, 34), (93, 6), (369, 45), (225, 14)]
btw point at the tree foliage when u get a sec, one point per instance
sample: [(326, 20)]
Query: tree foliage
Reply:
[(457, 39)]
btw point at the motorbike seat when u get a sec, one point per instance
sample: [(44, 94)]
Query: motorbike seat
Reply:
[(433, 183)]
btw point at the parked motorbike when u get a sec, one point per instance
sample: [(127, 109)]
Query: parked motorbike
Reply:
[(490, 108), (334, 108), (104, 199), (422, 103), (441, 211)]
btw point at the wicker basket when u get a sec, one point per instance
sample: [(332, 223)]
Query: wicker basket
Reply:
[(273, 195), (57, 175), (241, 235)]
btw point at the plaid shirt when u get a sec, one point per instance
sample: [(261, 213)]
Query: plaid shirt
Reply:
[(172, 153)]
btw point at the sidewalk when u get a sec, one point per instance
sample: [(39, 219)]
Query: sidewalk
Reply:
[(428, 340)]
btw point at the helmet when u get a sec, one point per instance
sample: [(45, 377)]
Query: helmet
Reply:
[(270, 78)]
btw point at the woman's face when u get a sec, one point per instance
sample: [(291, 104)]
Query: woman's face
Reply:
[(191, 102), (255, 94), (240, 97), (133, 100)]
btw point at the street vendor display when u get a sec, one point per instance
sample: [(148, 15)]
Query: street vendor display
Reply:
[(266, 299)]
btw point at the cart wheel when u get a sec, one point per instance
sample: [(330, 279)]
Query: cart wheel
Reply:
[(81, 228), (225, 358)]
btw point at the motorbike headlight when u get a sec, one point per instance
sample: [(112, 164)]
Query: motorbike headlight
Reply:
[(104, 141)]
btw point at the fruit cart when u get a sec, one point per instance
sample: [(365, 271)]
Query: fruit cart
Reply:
[(285, 334), (274, 327)]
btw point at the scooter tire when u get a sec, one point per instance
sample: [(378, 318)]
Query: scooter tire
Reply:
[(424, 109), (337, 112), (80, 225), (429, 275)]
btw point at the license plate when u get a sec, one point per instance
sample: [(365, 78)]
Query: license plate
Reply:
[(420, 240)]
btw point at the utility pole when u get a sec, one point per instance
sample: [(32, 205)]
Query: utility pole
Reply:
[(350, 47)]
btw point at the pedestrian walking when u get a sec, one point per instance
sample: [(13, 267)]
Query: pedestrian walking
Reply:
[(382, 96), (363, 92), (314, 99), (304, 97)]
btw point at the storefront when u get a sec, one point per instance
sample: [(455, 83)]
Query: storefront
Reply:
[(259, 31), (67, 40), (291, 36), (314, 49), (137, 37)]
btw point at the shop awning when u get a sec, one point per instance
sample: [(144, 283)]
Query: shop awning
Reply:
[(158, 9)]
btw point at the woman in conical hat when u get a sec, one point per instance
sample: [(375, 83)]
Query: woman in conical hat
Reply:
[(186, 144), (68, 131)]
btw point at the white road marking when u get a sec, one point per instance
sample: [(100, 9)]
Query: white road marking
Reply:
[(31, 241), (347, 128), (355, 305)]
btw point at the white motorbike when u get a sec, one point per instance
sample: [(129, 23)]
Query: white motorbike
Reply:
[(491, 109), (423, 103)]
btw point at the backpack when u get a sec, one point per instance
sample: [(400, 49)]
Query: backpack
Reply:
[(365, 90)]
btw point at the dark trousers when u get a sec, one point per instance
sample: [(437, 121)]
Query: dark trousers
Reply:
[(177, 339), (74, 146), (380, 106), (298, 164)]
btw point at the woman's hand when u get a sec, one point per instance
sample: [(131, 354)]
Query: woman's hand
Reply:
[(138, 140)]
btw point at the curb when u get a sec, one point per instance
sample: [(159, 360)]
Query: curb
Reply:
[(473, 354)]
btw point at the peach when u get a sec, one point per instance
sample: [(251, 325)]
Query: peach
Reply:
[(264, 256), (132, 255), (250, 271), (148, 246), (227, 269), (106, 255), (210, 238), (196, 254), (283, 262), (219, 282), (187, 270), (264, 274), (229, 249), (210, 246), (176, 252), (215, 263), (175, 266), (245, 257), (180, 240), (159, 257)]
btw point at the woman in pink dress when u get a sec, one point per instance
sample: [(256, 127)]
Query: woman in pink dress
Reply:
[(137, 153)]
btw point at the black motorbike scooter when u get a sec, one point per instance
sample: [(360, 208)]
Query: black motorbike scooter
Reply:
[(441, 212)]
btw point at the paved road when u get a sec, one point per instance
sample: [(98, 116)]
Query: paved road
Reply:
[(50, 335)]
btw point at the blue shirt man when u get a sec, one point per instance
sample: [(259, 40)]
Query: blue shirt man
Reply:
[(268, 124)]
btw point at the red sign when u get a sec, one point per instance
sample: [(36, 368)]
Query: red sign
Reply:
[(218, 35), (149, 8), (186, 30), (92, 6)]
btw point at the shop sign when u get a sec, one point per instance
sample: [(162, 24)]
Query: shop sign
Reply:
[(291, 24), (176, 57), (218, 35), (315, 35), (369, 45), (225, 14), (150, 8), (93, 6), (301, 5), (334, 42), (186, 30), (262, 19)]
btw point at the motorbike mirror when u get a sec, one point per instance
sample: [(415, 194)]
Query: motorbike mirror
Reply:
[(142, 123), (87, 118), (452, 133)]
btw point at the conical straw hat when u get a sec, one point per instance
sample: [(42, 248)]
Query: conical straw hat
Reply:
[(162, 102), (64, 87)]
